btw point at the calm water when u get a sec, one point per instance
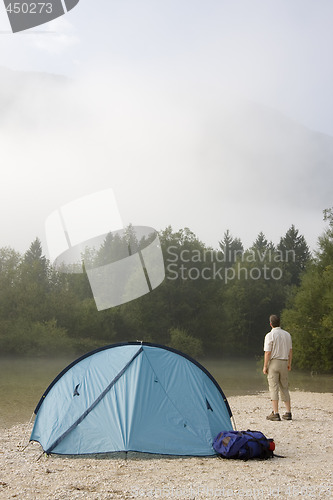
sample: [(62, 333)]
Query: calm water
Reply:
[(23, 381)]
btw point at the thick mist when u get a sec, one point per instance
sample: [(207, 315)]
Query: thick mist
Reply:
[(173, 155)]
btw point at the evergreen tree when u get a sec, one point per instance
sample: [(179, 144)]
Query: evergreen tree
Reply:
[(261, 245), (35, 266), (114, 247), (33, 284), (295, 254), (9, 270), (230, 248)]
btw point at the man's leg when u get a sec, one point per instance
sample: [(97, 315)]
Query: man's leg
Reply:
[(288, 406), (273, 384), (285, 396)]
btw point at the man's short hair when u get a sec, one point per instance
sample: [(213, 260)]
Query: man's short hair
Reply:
[(274, 320)]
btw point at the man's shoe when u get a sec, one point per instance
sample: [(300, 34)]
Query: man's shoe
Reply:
[(287, 416), (275, 417)]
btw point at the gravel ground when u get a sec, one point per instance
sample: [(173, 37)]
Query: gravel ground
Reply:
[(304, 472)]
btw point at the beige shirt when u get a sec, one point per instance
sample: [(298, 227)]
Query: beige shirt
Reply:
[(278, 342)]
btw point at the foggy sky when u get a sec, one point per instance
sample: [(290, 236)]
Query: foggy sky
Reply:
[(209, 115)]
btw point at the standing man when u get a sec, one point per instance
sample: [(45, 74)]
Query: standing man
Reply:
[(277, 363)]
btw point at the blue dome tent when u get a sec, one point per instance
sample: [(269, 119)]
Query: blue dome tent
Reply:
[(133, 396)]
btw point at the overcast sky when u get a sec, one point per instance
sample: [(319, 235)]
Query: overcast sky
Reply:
[(207, 114)]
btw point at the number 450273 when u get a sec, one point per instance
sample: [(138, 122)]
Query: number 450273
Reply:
[(29, 8)]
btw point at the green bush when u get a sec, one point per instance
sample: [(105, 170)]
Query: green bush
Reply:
[(34, 339), (182, 341)]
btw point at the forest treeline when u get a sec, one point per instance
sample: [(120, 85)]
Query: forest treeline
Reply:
[(212, 302)]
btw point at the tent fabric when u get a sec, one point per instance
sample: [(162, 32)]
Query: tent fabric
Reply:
[(132, 396)]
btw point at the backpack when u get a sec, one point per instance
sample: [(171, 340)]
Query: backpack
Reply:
[(243, 445)]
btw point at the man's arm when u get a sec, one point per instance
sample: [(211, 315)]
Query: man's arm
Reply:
[(290, 357), (266, 361)]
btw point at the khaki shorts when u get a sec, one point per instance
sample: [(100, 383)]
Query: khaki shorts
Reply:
[(278, 379)]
